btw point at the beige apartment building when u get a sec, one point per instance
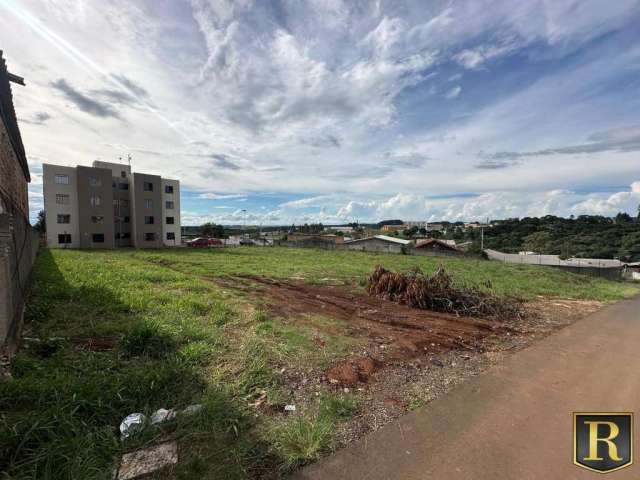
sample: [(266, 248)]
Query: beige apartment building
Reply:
[(109, 206)]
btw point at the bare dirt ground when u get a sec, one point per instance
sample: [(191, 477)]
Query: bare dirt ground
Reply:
[(406, 357)]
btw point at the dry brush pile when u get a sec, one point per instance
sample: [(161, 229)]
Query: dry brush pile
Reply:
[(438, 292)]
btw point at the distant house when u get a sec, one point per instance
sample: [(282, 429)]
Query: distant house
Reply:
[(437, 246), (340, 229), (379, 243), (434, 227), (392, 228)]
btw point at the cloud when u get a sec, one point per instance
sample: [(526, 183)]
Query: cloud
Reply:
[(476, 57), (84, 102), (217, 196), (38, 118), (129, 84), (495, 164), (318, 97), (454, 92), (626, 139)]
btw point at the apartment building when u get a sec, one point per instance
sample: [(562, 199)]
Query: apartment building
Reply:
[(109, 206)]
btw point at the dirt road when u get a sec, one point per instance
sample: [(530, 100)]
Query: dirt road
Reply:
[(515, 421)]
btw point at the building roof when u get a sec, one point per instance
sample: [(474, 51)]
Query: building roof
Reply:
[(8, 115), (446, 245), (384, 238)]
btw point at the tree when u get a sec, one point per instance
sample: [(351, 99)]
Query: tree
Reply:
[(623, 218), (212, 230), (41, 224)]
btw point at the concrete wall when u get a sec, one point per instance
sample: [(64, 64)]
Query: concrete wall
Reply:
[(140, 211), (52, 209), (174, 212), (87, 213)]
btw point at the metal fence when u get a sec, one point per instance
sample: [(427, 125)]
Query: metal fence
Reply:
[(18, 248)]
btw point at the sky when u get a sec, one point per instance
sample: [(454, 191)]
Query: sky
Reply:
[(282, 111)]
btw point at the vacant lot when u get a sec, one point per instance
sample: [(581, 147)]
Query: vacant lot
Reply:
[(245, 332)]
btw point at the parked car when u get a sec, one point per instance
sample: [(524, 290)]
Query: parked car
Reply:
[(202, 242)]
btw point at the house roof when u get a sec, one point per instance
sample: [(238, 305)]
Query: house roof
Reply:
[(8, 116), (431, 241), (384, 238)]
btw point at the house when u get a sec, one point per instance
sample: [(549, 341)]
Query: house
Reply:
[(379, 243), (340, 229), (392, 228), (434, 245), (108, 206), (434, 227)]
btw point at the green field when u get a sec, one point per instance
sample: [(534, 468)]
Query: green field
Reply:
[(171, 337)]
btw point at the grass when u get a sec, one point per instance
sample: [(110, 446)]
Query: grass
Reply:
[(179, 339), (525, 281)]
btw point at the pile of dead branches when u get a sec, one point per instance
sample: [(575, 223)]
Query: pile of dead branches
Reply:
[(437, 292)]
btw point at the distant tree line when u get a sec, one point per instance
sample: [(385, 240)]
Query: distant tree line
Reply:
[(586, 236)]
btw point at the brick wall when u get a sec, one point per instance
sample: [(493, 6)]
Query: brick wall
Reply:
[(12, 180)]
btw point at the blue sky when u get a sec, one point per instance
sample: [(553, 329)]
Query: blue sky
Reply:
[(279, 112)]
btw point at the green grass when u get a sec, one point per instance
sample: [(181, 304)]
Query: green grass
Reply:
[(179, 339), (352, 267)]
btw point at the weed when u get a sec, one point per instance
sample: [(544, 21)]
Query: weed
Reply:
[(338, 406), (301, 439), (147, 339)]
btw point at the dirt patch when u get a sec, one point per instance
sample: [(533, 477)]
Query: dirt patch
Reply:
[(417, 355), (348, 373), (404, 332)]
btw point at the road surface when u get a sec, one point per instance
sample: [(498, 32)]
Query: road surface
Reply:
[(515, 421)]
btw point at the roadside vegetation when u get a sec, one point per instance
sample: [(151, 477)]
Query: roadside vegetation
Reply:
[(109, 333)]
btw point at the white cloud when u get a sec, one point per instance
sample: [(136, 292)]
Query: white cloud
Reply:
[(454, 92), (217, 196), (241, 96)]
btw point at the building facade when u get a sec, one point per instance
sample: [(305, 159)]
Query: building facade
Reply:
[(109, 206)]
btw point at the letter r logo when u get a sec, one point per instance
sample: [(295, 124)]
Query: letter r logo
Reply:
[(603, 442)]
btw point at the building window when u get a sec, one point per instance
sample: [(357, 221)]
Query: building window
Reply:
[(95, 200), (64, 238), (149, 237), (62, 179), (123, 174), (171, 236), (126, 219), (126, 235), (168, 189), (168, 205), (62, 199), (147, 186), (148, 220), (148, 203), (95, 181), (64, 218), (97, 219), (169, 220), (120, 202), (123, 186), (97, 238)]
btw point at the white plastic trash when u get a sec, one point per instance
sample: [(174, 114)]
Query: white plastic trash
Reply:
[(162, 415), (132, 423), (289, 408)]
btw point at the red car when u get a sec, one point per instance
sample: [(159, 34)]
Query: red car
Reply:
[(204, 242)]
